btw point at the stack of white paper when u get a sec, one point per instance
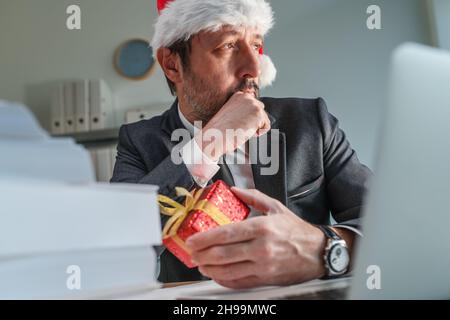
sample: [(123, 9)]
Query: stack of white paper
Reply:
[(28, 152), (61, 160), (61, 234), (62, 241), (17, 122)]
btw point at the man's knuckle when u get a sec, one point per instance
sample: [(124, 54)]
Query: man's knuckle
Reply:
[(270, 268), (261, 105), (257, 223), (279, 207), (261, 112), (266, 252), (265, 230), (227, 234), (248, 232), (254, 109), (217, 254)]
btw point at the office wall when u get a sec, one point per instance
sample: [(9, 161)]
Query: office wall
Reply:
[(321, 48), (37, 48), (328, 51)]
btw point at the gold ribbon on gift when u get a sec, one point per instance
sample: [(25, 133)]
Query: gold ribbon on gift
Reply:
[(178, 212)]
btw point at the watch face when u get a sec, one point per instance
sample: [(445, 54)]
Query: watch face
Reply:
[(339, 258)]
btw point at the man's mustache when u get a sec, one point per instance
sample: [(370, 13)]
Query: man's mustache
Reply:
[(246, 85), (249, 84)]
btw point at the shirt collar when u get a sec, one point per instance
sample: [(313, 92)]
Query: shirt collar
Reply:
[(186, 123)]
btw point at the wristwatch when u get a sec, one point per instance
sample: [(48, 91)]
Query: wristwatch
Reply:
[(336, 255)]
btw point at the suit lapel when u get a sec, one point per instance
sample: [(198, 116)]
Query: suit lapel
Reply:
[(273, 184)]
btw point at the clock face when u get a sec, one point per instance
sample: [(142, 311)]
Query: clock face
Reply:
[(339, 258), (134, 59)]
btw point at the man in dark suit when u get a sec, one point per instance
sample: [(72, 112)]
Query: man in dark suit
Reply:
[(211, 54)]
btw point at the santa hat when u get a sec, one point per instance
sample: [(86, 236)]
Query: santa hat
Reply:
[(181, 19)]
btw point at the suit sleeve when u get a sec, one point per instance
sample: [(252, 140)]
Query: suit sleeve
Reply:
[(347, 179), (130, 168)]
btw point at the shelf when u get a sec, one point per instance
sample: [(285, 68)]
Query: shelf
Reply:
[(97, 136)]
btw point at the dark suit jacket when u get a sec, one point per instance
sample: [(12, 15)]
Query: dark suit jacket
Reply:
[(319, 173)]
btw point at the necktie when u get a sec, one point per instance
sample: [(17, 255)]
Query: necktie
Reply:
[(224, 173)]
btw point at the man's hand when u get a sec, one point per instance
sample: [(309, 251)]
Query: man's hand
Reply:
[(243, 115), (278, 248)]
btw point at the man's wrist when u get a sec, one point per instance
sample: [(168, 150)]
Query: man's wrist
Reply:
[(322, 242)]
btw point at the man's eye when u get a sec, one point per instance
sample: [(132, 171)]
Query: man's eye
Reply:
[(257, 46), (229, 46)]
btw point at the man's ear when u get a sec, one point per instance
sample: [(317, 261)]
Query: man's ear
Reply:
[(170, 63)]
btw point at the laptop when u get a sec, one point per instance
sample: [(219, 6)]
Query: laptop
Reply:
[(405, 252)]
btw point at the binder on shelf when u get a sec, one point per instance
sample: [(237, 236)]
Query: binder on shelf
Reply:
[(82, 105), (57, 110), (69, 107), (101, 103)]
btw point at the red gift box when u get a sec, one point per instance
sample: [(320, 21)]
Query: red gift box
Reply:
[(204, 209)]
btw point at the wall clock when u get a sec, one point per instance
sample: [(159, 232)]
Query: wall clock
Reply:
[(134, 59)]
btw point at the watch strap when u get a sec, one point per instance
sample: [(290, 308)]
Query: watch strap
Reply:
[(330, 233)]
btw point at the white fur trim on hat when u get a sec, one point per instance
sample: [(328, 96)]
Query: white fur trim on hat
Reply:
[(268, 71), (183, 18)]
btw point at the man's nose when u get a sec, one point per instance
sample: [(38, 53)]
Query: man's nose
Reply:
[(248, 62)]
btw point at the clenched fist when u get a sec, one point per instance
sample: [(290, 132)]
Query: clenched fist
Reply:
[(240, 118)]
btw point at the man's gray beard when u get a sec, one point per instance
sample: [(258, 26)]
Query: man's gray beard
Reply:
[(206, 102)]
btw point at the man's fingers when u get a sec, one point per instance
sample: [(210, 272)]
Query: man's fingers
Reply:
[(256, 199), (224, 254), (244, 283), (229, 272), (231, 233), (264, 127)]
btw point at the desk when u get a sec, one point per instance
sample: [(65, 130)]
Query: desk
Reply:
[(178, 284), (209, 290)]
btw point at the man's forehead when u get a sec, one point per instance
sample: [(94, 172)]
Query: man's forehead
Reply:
[(229, 31)]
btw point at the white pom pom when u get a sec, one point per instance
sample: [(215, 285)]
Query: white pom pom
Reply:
[(268, 71)]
